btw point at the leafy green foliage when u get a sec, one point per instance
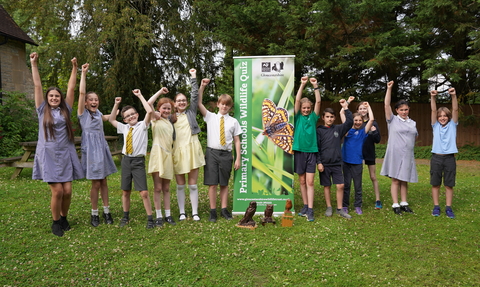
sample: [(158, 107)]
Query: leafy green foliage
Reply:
[(18, 123)]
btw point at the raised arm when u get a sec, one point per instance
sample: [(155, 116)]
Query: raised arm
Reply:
[(433, 106), (112, 118), (37, 82), (70, 98), (83, 89), (298, 97), (342, 111), (318, 98), (201, 107), (388, 100), (453, 94), (194, 97), (371, 118), (146, 106), (153, 99)]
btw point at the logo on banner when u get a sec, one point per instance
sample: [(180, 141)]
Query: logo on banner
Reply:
[(268, 67), (271, 69)]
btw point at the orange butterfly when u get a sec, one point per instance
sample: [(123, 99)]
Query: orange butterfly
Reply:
[(276, 126)]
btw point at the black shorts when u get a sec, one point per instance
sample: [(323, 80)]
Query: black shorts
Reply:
[(304, 162), (443, 166), (333, 172)]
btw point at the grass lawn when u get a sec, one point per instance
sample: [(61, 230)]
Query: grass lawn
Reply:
[(377, 248)]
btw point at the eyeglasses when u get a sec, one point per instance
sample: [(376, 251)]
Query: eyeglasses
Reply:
[(129, 116)]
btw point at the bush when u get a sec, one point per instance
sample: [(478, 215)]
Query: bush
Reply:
[(18, 123)]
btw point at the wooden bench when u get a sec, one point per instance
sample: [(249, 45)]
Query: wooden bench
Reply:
[(29, 148), (13, 161)]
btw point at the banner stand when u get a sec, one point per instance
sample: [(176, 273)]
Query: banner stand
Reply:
[(264, 107)]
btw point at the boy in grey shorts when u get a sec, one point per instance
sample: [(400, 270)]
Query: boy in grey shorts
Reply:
[(135, 137), (222, 131)]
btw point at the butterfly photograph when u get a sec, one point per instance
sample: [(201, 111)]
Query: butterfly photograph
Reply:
[(276, 126)]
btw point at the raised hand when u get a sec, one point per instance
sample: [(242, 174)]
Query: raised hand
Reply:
[(85, 67), (137, 92)]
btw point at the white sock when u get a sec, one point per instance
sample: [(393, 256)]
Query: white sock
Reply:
[(403, 203), (106, 209), (395, 205), (181, 198), (159, 213), (194, 198), (94, 212), (167, 212)]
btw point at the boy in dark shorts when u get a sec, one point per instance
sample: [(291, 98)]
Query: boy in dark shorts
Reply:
[(135, 137), (444, 148), (223, 133), (329, 156)]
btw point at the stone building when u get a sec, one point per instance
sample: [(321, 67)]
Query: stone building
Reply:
[(15, 75)]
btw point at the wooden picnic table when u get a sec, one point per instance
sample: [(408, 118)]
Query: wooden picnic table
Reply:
[(29, 149)]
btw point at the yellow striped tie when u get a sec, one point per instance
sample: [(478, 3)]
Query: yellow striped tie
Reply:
[(129, 147), (222, 131)]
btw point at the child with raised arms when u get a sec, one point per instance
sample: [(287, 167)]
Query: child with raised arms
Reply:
[(443, 163), (97, 161), (399, 161), (160, 165), (305, 144), (368, 151), (187, 151), (135, 138), (223, 134), (353, 159), (56, 161), (329, 157)]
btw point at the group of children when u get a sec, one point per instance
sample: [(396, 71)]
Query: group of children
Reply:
[(176, 144), (176, 150), (339, 163)]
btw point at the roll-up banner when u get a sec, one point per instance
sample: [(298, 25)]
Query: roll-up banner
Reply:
[(264, 107)]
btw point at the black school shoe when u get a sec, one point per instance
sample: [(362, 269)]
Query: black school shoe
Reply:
[(124, 221), (150, 224), (213, 215), (226, 214), (169, 220), (159, 222), (64, 223), (57, 229), (108, 218), (397, 210), (95, 220), (405, 208)]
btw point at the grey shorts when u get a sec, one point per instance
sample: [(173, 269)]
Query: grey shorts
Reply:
[(218, 166), (443, 166), (133, 168)]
